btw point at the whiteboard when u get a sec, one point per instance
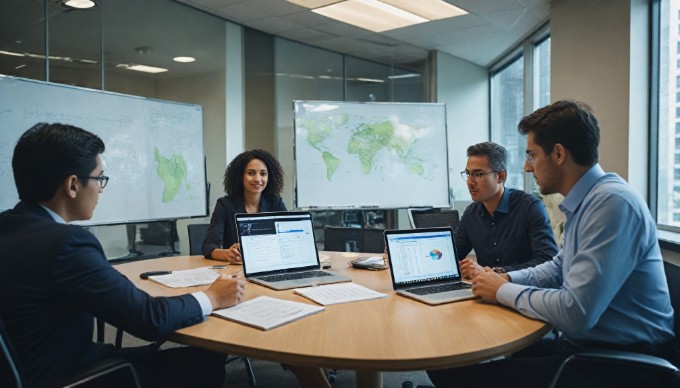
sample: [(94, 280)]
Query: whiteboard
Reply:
[(154, 149), (370, 155)]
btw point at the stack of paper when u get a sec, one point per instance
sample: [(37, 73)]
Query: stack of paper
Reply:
[(187, 278), (266, 313), (339, 293)]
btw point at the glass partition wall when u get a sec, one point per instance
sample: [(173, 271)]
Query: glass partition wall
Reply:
[(101, 48)]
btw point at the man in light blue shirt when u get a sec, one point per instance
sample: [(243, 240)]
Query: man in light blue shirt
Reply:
[(606, 287)]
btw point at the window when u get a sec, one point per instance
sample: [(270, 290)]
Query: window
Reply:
[(526, 70), (507, 108), (668, 146)]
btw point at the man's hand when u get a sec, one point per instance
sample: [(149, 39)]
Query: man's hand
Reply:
[(226, 291), (486, 284), (469, 269), (231, 255)]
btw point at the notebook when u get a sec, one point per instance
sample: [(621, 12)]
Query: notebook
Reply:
[(424, 266), (279, 250)]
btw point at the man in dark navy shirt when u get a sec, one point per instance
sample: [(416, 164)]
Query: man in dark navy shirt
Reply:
[(508, 229)]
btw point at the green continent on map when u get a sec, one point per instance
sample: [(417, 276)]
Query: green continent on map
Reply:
[(318, 132), (172, 171), (368, 140), (332, 163)]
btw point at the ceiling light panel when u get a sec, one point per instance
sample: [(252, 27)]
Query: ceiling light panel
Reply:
[(429, 9), (372, 15)]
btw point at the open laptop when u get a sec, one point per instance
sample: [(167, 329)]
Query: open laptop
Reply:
[(279, 250), (424, 266)]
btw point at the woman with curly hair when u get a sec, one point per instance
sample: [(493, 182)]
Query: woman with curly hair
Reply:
[(253, 182)]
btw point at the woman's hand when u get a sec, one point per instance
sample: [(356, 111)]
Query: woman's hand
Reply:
[(231, 255)]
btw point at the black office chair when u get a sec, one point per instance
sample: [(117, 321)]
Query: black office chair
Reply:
[(196, 236), (106, 373), (637, 369), (428, 218), (342, 239)]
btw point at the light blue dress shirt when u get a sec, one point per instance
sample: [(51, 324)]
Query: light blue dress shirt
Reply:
[(607, 284), (201, 297)]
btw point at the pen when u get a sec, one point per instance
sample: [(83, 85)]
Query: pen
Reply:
[(217, 267), (145, 275)]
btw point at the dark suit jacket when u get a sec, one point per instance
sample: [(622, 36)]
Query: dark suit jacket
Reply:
[(222, 230), (54, 279)]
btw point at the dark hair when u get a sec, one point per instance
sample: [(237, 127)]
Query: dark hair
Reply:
[(497, 155), (233, 176), (570, 123), (47, 154)]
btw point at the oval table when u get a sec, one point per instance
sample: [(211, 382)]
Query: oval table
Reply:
[(388, 334)]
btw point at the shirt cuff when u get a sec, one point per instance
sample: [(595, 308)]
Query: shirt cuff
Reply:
[(204, 302), (508, 292)]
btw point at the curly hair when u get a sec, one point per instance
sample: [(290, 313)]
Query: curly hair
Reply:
[(233, 176)]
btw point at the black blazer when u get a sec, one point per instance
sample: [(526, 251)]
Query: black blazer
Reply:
[(54, 278), (222, 230)]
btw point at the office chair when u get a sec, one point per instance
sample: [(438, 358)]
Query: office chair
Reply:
[(106, 373), (342, 239), (638, 369), (196, 236), (428, 218)]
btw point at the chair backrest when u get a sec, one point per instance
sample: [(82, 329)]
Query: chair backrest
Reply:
[(428, 218), (673, 279), (341, 239), (9, 368), (196, 237)]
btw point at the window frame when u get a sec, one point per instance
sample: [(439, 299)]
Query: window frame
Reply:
[(525, 49)]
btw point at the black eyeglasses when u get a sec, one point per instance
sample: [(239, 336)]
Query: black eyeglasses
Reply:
[(102, 179), (476, 175)]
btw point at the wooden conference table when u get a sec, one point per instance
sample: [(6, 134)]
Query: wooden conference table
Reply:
[(389, 334)]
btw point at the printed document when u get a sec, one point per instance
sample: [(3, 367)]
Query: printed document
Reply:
[(187, 278), (265, 312), (339, 293)]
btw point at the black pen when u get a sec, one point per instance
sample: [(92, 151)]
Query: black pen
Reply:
[(145, 275)]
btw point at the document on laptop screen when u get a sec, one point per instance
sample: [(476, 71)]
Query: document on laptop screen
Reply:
[(270, 244), (417, 257)]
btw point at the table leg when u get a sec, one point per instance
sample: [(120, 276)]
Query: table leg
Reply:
[(369, 379)]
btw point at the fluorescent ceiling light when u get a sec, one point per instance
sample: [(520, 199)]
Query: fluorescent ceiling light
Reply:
[(407, 75), (372, 15), (146, 69), (80, 4), (370, 80), (184, 59), (12, 53), (429, 9)]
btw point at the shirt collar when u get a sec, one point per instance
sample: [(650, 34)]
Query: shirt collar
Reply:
[(56, 217), (504, 204), (581, 188)]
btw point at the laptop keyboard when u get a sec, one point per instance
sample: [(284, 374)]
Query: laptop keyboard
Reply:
[(440, 288), (294, 276)]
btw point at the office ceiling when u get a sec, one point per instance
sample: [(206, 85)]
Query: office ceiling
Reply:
[(143, 32), (490, 28)]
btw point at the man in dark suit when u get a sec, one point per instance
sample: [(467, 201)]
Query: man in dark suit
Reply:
[(54, 277)]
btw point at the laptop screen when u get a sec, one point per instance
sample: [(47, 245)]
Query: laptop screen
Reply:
[(422, 255), (276, 241)]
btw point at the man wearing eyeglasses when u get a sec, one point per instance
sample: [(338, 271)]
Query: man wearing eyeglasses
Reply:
[(54, 277), (606, 288), (508, 229)]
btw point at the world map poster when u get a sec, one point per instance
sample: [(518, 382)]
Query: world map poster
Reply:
[(386, 155)]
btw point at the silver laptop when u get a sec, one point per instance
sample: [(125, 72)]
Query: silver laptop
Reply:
[(279, 250), (424, 266)]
